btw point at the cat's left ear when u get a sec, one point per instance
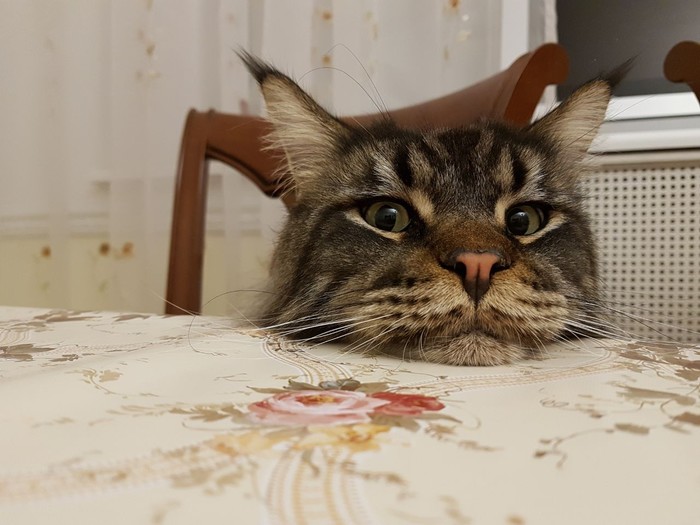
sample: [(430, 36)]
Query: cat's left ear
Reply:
[(306, 132), (575, 123)]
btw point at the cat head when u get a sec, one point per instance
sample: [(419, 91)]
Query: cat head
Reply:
[(461, 246)]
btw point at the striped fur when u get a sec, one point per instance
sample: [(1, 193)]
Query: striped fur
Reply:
[(336, 277)]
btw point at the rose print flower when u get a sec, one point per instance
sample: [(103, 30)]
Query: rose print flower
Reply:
[(315, 407), (406, 404)]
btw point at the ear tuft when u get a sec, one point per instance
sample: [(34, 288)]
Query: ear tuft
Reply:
[(615, 76), (306, 132), (257, 67)]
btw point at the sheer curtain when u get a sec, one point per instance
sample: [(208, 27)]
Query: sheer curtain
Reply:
[(94, 94)]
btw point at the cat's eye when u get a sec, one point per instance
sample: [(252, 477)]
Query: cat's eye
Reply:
[(387, 216), (525, 219)]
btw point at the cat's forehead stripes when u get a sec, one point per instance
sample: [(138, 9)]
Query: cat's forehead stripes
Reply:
[(527, 169), (387, 182), (399, 178), (502, 171), (478, 171), (514, 166), (519, 170), (403, 165), (412, 162), (485, 141)]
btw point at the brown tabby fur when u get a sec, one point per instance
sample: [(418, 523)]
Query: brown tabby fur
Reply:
[(336, 277)]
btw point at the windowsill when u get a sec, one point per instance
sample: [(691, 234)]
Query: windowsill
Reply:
[(649, 134)]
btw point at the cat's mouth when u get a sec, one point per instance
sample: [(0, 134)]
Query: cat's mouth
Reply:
[(486, 324), (511, 312), (521, 320), (507, 313), (505, 325)]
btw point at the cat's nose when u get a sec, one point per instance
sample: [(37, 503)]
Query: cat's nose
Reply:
[(476, 269)]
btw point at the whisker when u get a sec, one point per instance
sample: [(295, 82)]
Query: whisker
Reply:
[(644, 321), (359, 345), (354, 328), (594, 322), (331, 68), (385, 110)]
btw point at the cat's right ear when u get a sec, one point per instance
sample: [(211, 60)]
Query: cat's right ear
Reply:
[(306, 132)]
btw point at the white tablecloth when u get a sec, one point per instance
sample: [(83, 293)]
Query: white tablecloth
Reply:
[(126, 418)]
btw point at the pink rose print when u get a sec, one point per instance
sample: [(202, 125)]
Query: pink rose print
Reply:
[(406, 404), (315, 407)]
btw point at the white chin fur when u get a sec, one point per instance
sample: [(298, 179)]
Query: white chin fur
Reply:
[(473, 349)]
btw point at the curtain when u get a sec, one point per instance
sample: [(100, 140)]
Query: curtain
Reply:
[(94, 94)]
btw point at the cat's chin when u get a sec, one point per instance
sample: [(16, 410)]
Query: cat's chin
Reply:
[(474, 349)]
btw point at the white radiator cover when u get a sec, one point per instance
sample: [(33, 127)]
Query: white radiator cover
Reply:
[(645, 217)]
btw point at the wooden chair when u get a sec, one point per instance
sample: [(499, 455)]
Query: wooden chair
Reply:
[(682, 64), (237, 141)]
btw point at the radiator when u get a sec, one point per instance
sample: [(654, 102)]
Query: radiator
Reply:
[(645, 211)]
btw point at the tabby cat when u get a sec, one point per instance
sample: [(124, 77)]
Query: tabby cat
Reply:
[(466, 246)]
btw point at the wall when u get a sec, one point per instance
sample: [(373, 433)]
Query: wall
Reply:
[(96, 267)]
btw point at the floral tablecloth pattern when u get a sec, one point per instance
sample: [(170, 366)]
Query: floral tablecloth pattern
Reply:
[(129, 418)]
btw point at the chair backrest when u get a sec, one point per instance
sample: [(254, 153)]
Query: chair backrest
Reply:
[(238, 141), (682, 64)]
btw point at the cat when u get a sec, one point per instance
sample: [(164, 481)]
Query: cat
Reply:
[(468, 246)]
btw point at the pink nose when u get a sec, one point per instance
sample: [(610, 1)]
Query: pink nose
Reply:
[(476, 270)]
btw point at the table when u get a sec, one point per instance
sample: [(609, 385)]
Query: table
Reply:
[(129, 418)]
